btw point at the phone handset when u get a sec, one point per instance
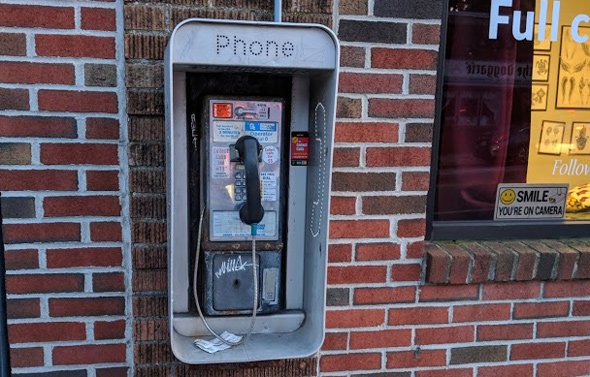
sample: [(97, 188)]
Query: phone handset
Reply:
[(248, 147)]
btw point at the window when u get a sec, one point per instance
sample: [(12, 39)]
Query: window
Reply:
[(512, 142)]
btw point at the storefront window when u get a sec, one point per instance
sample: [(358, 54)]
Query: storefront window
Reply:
[(515, 109)]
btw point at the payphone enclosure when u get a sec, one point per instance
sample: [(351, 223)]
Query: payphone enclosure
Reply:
[(276, 83)]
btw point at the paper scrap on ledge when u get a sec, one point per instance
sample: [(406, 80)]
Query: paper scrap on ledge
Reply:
[(216, 345)]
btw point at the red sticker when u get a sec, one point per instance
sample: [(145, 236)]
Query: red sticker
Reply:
[(299, 148)]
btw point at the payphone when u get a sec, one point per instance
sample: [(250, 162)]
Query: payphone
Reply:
[(243, 164), (250, 111)]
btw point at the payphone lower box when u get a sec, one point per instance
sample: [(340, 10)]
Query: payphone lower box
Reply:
[(229, 285)]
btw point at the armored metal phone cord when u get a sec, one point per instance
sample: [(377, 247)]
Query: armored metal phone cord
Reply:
[(254, 277)]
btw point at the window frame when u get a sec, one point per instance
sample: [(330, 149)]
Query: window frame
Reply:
[(482, 229)]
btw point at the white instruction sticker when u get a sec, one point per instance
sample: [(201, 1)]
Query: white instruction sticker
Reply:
[(270, 154), (220, 162), (228, 224), (230, 131), (269, 186)]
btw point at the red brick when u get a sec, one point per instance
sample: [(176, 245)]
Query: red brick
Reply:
[(401, 108), (36, 73), (335, 341), (91, 306), (363, 182), (26, 357), (102, 128), (423, 84), (578, 348), (46, 283), (581, 308), (366, 132), (14, 44), (352, 57), (415, 181), (14, 99), (567, 289), (56, 206), (398, 156), (341, 205), (377, 251), (449, 293), (354, 318), (109, 330), (98, 19), (78, 101), (504, 332), (108, 282), (415, 250), (458, 334), (527, 260), (380, 339), (418, 316), (21, 259), (84, 257), (105, 231), (384, 295), (46, 332), (356, 361), (563, 328), (447, 372), (482, 262), (18, 308), (426, 34), (98, 180), (356, 274), (46, 232), (339, 253), (416, 359), (406, 272), (393, 205), (541, 310), (346, 157), (511, 291), (359, 229), (438, 264), (411, 228), (564, 369), (36, 16), (403, 58), (370, 83), (112, 372), (76, 46), (520, 370), (481, 312), (37, 126), (37, 180), (89, 354), (532, 351), (71, 154)]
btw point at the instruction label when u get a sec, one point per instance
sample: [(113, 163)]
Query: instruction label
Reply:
[(530, 201), (228, 224), (230, 131), (268, 179), (220, 162)]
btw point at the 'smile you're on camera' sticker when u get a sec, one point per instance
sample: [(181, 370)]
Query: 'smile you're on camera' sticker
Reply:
[(530, 201)]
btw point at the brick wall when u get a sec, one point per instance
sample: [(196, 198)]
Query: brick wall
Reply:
[(68, 147), (382, 320), (62, 177)]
